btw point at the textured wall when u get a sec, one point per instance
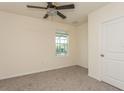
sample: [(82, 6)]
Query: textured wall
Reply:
[(27, 45), (82, 39)]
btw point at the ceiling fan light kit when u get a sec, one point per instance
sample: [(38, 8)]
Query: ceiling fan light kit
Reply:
[(53, 10)]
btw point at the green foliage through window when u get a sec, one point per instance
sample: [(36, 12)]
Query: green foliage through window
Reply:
[(61, 43)]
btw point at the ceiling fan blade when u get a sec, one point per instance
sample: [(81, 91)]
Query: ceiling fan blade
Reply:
[(30, 6), (61, 15), (46, 15), (70, 6)]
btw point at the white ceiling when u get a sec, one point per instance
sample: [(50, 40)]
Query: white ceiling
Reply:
[(74, 16)]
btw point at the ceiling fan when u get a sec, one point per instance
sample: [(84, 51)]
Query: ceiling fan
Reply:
[(52, 9)]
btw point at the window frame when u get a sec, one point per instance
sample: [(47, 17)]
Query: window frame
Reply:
[(65, 54)]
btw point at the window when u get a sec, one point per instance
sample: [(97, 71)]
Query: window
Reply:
[(61, 43)]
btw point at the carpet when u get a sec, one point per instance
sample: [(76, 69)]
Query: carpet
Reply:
[(74, 78)]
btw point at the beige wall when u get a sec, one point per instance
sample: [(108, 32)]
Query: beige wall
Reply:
[(27, 45), (82, 40), (95, 20)]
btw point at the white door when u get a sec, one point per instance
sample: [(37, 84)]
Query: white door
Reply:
[(113, 52)]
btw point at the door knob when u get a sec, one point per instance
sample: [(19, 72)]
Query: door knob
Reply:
[(102, 55)]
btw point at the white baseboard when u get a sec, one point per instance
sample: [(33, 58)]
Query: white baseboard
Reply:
[(32, 72), (93, 76), (83, 66)]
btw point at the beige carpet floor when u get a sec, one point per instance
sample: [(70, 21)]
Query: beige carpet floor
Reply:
[(72, 78)]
